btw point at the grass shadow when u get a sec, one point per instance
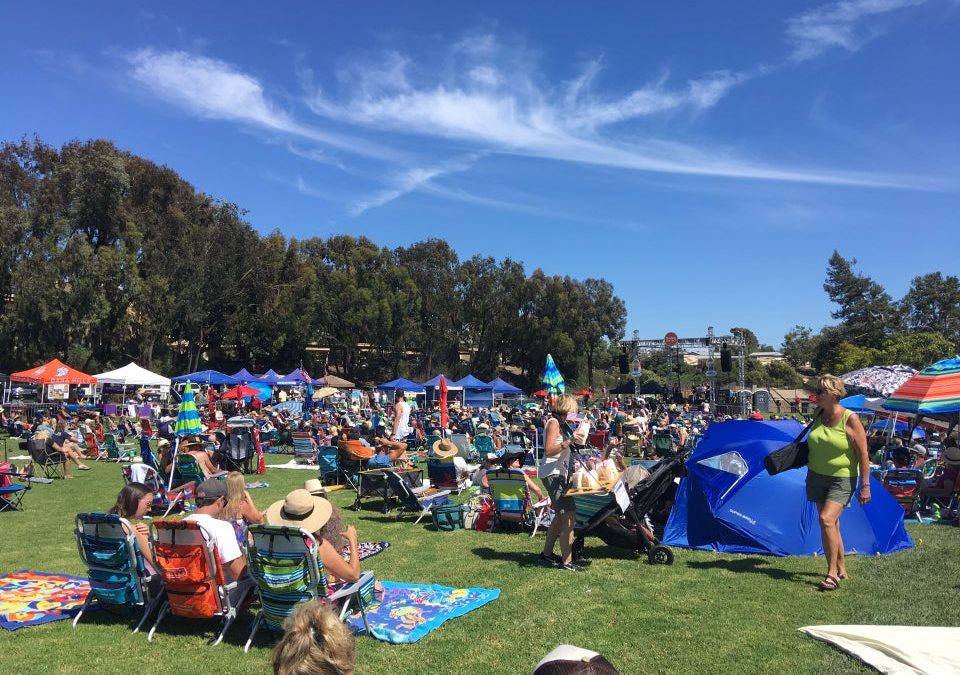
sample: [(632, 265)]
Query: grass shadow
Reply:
[(752, 566), (521, 558)]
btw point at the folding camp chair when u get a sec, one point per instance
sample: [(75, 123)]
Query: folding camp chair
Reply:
[(146, 430), (165, 501), (304, 451), (663, 442), (443, 474), (187, 469), (327, 459), (237, 449), (512, 501), (598, 439), (94, 451), (194, 579), (284, 563), (484, 444), (420, 500), (114, 451), (50, 461), (462, 441), (115, 565), (905, 485), (11, 492)]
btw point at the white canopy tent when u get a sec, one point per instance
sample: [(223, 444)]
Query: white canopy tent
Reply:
[(131, 375)]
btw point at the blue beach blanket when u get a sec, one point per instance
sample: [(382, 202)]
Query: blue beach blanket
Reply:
[(407, 612)]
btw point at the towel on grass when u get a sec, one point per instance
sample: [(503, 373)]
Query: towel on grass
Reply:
[(366, 549), (32, 598), (407, 612)]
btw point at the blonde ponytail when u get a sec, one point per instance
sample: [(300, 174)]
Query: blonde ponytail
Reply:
[(316, 642)]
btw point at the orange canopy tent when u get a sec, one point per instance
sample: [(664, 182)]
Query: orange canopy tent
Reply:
[(53, 372)]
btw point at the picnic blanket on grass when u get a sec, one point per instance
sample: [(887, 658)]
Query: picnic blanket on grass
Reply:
[(257, 484), (32, 598), (366, 549), (407, 612)]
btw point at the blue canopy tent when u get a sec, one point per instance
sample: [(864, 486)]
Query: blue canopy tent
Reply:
[(270, 377), (729, 503), (243, 376), (476, 392), (504, 388), (899, 427), (296, 376), (214, 377), (408, 386), (432, 387)]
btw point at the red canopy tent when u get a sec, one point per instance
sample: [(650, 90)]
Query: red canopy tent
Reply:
[(53, 372)]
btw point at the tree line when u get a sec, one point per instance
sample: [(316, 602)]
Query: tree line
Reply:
[(106, 257), (873, 328)]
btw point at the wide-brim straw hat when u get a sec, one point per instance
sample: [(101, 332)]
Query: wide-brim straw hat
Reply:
[(444, 448), (300, 509), (315, 487)]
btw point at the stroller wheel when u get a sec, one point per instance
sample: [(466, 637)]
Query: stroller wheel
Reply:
[(660, 555), (578, 549)]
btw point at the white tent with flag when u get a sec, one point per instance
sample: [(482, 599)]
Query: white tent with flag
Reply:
[(133, 375)]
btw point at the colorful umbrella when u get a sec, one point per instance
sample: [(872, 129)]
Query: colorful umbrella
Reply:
[(552, 379), (242, 391), (187, 424), (877, 380), (323, 392), (934, 390), (444, 414)]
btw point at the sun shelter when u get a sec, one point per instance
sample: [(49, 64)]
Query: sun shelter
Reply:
[(432, 386), (270, 377), (504, 389), (476, 392), (408, 386), (243, 376), (214, 377), (933, 392), (329, 380), (132, 375), (53, 372), (729, 503)]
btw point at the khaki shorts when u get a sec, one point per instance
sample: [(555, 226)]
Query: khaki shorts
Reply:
[(556, 487), (822, 488)]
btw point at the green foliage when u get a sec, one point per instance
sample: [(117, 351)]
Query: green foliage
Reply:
[(865, 309), (782, 374), (106, 257), (799, 346), (932, 305), (917, 349)]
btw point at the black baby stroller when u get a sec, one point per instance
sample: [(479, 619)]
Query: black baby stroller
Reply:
[(237, 450), (600, 515)]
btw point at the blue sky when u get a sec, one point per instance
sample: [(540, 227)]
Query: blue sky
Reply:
[(704, 157)]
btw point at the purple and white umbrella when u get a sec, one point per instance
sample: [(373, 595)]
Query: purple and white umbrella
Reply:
[(877, 380)]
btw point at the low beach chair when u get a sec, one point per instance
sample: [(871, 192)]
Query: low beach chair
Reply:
[(484, 444), (165, 501), (115, 566), (443, 474), (114, 451), (905, 486), (91, 446), (327, 459), (146, 430), (304, 451), (420, 500), (187, 470), (193, 577), (284, 563), (462, 441), (512, 500), (12, 491)]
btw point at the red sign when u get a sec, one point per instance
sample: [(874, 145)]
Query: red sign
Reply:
[(670, 340)]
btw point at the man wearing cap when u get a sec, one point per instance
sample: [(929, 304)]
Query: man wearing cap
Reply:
[(211, 495)]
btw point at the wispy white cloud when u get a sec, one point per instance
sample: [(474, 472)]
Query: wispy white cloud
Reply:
[(838, 25), (216, 90), (411, 180)]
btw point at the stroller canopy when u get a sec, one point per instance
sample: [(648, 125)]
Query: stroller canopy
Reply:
[(728, 502)]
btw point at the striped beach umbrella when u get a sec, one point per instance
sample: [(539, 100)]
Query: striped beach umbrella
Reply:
[(553, 382), (188, 419), (187, 424), (935, 390)]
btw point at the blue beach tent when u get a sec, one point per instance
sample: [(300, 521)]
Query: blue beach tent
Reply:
[(504, 388), (729, 503), (476, 392), (408, 386)]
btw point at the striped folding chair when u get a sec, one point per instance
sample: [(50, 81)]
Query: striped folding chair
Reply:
[(284, 563)]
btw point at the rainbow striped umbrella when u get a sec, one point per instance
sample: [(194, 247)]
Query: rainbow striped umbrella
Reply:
[(553, 382), (935, 390)]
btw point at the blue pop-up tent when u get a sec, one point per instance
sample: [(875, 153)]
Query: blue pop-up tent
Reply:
[(408, 386), (206, 377), (504, 388), (432, 387), (728, 502), (476, 392)]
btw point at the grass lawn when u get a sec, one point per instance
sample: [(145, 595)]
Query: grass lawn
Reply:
[(707, 613)]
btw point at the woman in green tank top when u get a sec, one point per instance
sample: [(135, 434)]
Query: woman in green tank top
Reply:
[(838, 455)]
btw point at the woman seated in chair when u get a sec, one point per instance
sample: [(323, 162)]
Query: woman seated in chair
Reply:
[(62, 442), (513, 460), (133, 503), (316, 515), (193, 447)]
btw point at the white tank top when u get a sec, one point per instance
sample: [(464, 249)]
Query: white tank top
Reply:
[(403, 429)]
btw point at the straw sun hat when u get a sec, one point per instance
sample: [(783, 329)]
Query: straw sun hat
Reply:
[(444, 448), (300, 509)]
